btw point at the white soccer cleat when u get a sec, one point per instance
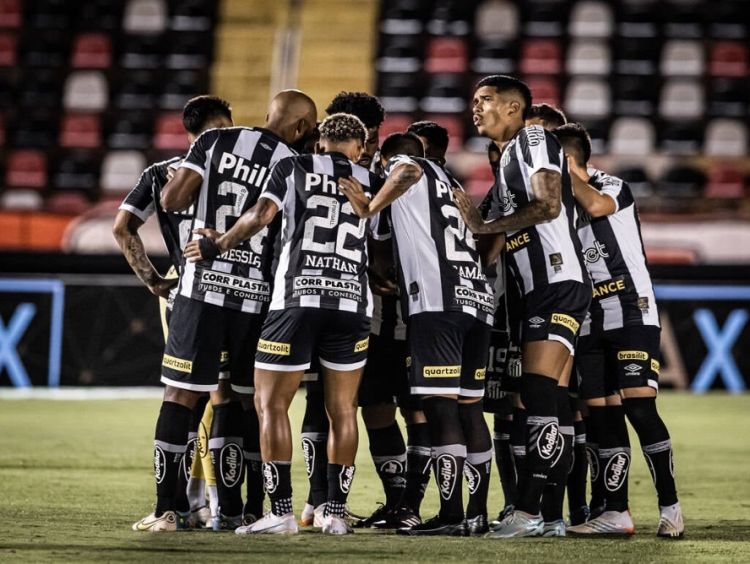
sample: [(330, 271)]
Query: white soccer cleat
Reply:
[(615, 523), (318, 519), (333, 525), (271, 524), (198, 518), (153, 524), (518, 524), (671, 524), (307, 516)]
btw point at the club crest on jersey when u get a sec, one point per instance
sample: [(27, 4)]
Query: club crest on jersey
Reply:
[(241, 169), (508, 202), (346, 477), (308, 453), (231, 462), (593, 254), (616, 471), (547, 440), (160, 464), (473, 478), (270, 477), (447, 472)]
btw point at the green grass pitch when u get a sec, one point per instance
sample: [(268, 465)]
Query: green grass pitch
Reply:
[(76, 474)]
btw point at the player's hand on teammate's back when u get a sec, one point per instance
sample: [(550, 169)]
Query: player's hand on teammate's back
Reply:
[(352, 189), (163, 286), (204, 248), (381, 285), (471, 215)]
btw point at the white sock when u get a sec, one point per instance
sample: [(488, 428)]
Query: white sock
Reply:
[(213, 500)]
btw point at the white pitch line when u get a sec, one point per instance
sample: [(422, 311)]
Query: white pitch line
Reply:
[(80, 393)]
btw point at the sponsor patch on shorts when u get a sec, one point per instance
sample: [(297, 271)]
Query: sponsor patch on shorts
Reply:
[(632, 355), (408, 361), (271, 347), (565, 321), (655, 366), (178, 364), (362, 345), (224, 357), (480, 373), (441, 371)]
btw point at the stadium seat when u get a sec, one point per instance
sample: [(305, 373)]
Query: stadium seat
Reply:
[(180, 87), (728, 97), (496, 20), (26, 200), (541, 56), (635, 95), (135, 89), (479, 181), (141, 51), (455, 126), (91, 51), (726, 138), (495, 58), (598, 129), (395, 123), (546, 89), (38, 88), (145, 16), (121, 170), (639, 182), (681, 99), (80, 131), (681, 137), (99, 15), (725, 182), (727, 20), (636, 55), (400, 53), (402, 18), (446, 93), (49, 15), (36, 128), (77, 170), (189, 51), (685, 19), (588, 98), (445, 55), (2, 130), (729, 58), (544, 19), (47, 48), (192, 15), (10, 13), (7, 50), (635, 19), (86, 91), (682, 58), (448, 17), (590, 19), (632, 136), (26, 169), (682, 182), (130, 130), (588, 57), (70, 203), (170, 133)]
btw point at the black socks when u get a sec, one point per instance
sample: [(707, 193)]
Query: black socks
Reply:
[(504, 459), (389, 455), (418, 464), (340, 478), (253, 464), (227, 454), (277, 478), (170, 444), (314, 441), (478, 465)]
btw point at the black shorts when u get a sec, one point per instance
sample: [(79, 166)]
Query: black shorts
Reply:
[(608, 361), (555, 313), (201, 337), (500, 382), (448, 352), (386, 380), (291, 337)]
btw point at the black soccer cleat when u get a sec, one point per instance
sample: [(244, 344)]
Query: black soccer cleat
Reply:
[(477, 525), (379, 517), (580, 515), (401, 518), (436, 527)]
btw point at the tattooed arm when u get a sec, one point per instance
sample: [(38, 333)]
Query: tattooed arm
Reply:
[(403, 177), (125, 231)]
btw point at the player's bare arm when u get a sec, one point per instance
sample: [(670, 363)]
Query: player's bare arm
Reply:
[(181, 191), (490, 247), (125, 231), (589, 198), (398, 182), (214, 244), (546, 186)]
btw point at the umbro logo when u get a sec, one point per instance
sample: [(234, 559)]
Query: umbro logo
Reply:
[(633, 369), (536, 322)]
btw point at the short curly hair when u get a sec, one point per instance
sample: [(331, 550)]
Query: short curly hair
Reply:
[(361, 104), (343, 127)]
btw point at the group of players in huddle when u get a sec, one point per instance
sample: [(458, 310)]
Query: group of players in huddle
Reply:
[(310, 252)]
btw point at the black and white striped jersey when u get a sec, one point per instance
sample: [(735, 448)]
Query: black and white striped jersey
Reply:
[(235, 163), (439, 267), (323, 261), (614, 256), (548, 252), (143, 202)]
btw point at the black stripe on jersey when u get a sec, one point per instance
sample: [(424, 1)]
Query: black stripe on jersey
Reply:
[(523, 143)]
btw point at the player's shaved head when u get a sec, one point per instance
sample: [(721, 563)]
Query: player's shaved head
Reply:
[(291, 115)]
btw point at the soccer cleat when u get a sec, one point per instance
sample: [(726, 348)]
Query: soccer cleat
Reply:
[(198, 518), (507, 510), (333, 525), (436, 526), (518, 524), (378, 519), (167, 521), (352, 519), (609, 523), (580, 515), (596, 511), (307, 516), (248, 519), (223, 522), (671, 524), (477, 526), (554, 529), (400, 518), (271, 524)]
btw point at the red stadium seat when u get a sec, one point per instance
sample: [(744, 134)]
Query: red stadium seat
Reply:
[(541, 56), (7, 50), (91, 51), (446, 54), (2, 131), (729, 58), (479, 182), (545, 90), (10, 13), (394, 123), (71, 203), (170, 133), (80, 131), (726, 182), (455, 126), (26, 169)]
